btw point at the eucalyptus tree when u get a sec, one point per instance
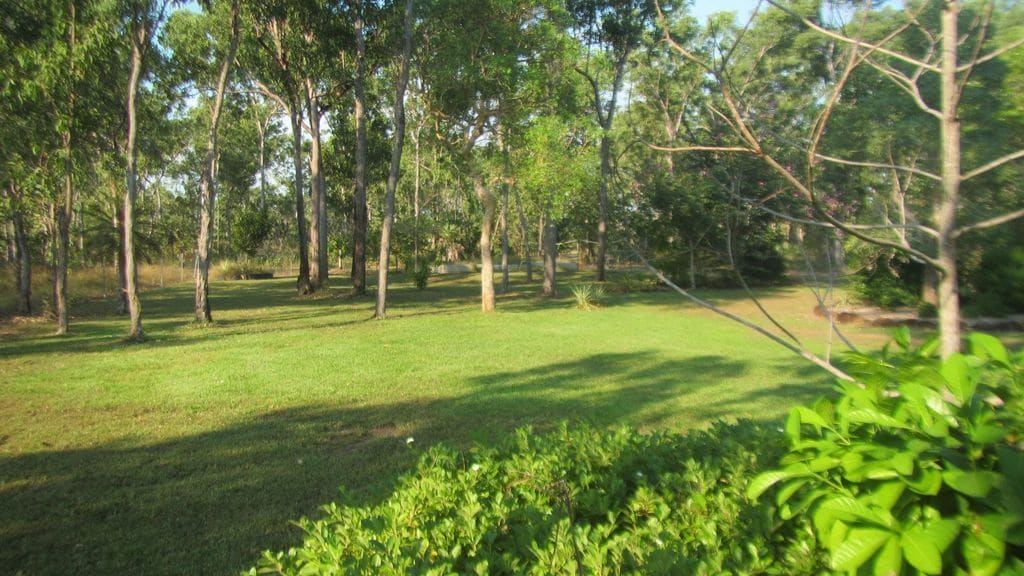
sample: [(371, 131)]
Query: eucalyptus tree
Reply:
[(609, 32), (210, 54), (275, 67), (931, 52), (396, 160), (474, 73)]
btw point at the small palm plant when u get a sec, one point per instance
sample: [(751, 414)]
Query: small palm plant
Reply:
[(588, 296)]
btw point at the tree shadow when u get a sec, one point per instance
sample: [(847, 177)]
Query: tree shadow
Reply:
[(210, 502)]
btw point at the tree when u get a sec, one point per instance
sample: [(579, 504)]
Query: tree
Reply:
[(396, 160), (921, 51), (208, 181)]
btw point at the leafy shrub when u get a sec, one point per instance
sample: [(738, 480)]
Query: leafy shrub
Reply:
[(251, 229), (884, 285), (577, 501), (919, 466), (588, 296), (232, 270), (420, 277)]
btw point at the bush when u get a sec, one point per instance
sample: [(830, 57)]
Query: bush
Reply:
[(575, 501), (917, 467), (420, 277), (232, 270), (884, 285), (588, 296)]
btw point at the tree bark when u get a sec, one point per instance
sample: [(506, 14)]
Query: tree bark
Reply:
[(20, 256), (60, 270), (318, 222), (396, 162), (945, 211), (139, 38), (504, 237), (303, 284), (602, 191), (119, 256), (208, 182), (416, 207), (550, 287), (525, 230), (359, 216), (489, 203)]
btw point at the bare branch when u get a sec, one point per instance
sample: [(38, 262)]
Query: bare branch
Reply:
[(992, 55), (909, 169), (699, 148), (906, 84), (991, 222), (597, 92), (802, 352), (857, 43), (993, 165)]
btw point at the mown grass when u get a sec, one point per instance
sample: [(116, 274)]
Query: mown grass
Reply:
[(190, 453)]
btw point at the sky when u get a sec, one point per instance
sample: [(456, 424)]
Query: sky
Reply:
[(702, 8)]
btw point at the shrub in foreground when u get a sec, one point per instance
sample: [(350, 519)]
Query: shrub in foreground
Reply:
[(916, 468), (577, 501)]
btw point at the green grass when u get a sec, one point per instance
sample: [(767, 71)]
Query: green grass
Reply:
[(190, 453)]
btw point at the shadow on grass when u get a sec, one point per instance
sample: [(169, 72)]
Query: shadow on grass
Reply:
[(210, 502)]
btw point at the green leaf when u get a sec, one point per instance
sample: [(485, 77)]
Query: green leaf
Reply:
[(766, 480), (976, 484), (901, 336), (848, 508), (887, 494), (920, 552), (986, 346), (942, 533), (808, 416), (927, 482), (889, 559), (869, 416), (860, 544), (984, 553), (904, 463), (956, 373), (987, 434)]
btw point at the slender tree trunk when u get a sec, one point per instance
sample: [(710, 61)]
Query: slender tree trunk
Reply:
[(261, 129), (360, 218), (318, 223), (12, 250), (21, 257), (945, 211), (303, 284), (208, 182), (396, 163), (119, 255), (486, 257), (504, 238), (139, 39), (550, 287), (60, 269), (693, 266), (416, 207), (525, 230), (605, 151)]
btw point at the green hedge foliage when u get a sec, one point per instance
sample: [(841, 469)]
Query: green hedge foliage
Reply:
[(577, 501)]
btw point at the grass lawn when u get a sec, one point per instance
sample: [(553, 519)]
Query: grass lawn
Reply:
[(189, 454)]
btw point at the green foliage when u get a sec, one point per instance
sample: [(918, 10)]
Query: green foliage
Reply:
[(884, 285), (588, 296), (575, 501), (917, 467), (251, 229), (420, 277), (232, 270)]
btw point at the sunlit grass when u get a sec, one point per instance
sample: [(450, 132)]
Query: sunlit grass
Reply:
[(191, 452)]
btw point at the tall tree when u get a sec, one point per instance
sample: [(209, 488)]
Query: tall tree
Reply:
[(208, 181), (360, 217), (396, 161)]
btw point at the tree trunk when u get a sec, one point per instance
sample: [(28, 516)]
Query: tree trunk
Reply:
[(693, 266), (360, 218), (261, 129), (550, 288), (119, 256), (486, 257), (416, 208), (945, 211), (396, 162), (602, 201), (21, 257), (135, 334), (208, 182), (303, 284), (318, 196), (504, 237), (60, 269), (525, 230)]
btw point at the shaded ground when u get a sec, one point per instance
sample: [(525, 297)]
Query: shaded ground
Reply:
[(191, 452)]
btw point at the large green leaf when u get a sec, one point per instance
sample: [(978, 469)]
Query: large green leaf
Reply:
[(984, 553), (921, 552), (976, 483), (860, 544), (889, 559), (988, 347), (957, 375), (869, 416), (766, 480)]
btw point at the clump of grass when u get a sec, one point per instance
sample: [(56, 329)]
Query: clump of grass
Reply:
[(588, 296), (234, 270)]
